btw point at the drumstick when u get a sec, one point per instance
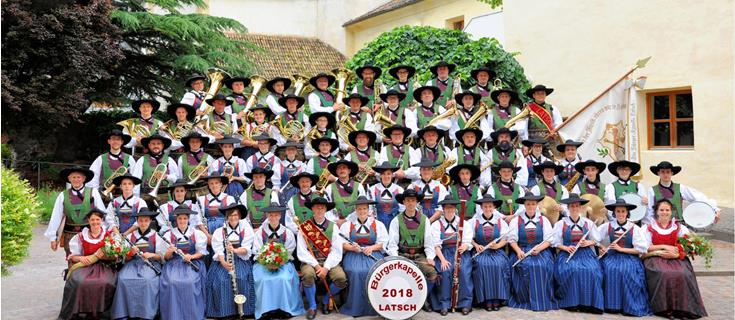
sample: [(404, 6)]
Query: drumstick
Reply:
[(614, 242), (525, 254), (491, 243)]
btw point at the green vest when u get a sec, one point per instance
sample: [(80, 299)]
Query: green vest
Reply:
[(499, 122), (322, 99), (461, 159), (186, 168), (446, 94), (237, 107), (106, 169), (400, 119), (412, 238), (409, 93), (154, 127), (470, 204), (583, 189), (675, 199), (228, 121), (497, 160), (557, 187), (621, 189), (256, 216), (361, 91), (423, 119), (343, 205), (360, 123), (317, 168), (394, 161), (535, 123), (505, 207), (75, 213), (284, 121), (440, 152), (302, 212), (487, 100)]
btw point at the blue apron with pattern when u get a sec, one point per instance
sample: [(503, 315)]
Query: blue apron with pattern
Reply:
[(126, 215), (387, 209)]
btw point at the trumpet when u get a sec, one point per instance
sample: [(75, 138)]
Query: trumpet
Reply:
[(365, 172), (323, 182), (156, 178), (197, 172), (109, 186), (238, 298), (216, 79)]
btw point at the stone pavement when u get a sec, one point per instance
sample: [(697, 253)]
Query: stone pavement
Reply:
[(35, 287)]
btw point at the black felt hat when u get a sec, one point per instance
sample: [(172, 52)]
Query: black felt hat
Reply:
[(538, 87), (299, 100), (295, 178), (352, 137), (363, 100), (136, 105), (474, 171), (665, 165), (538, 169), (229, 81), (494, 135), (475, 72), (434, 90), (394, 71), (88, 174), (315, 143), (375, 69), (590, 163), (319, 200), (116, 132), (166, 141), (195, 77), (613, 167), (190, 111), (574, 198), (332, 167), (392, 92), (221, 97), (330, 79), (286, 84), (442, 63), (562, 146)]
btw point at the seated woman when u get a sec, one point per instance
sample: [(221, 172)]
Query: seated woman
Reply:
[(669, 274), (579, 279), (235, 237), (533, 278), (137, 283), (368, 236), (490, 268), (89, 290), (182, 288), (624, 281), (277, 291)]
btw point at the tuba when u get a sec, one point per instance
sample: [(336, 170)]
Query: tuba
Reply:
[(301, 85), (109, 186), (474, 120), (440, 172), (451, 111), (345, 127), (341, 75), (216, 79), (257, 83), (135, 130)]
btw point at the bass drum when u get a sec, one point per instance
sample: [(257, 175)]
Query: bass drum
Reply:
[(640, 210), (700, 216), (396, 288)]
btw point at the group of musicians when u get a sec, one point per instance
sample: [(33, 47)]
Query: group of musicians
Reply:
[(452, 179)]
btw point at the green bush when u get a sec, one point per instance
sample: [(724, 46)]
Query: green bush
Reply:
[(424, 46), (19, 207), (46, 198)]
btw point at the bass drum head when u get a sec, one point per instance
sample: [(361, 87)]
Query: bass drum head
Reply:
[(396, 288), (640, 211), (699, 215)]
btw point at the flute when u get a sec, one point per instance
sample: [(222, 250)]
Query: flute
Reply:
[(614, 242), (357, 245), (580, 243), (137, 253), (171, 228), (525, 254), (487, 246)]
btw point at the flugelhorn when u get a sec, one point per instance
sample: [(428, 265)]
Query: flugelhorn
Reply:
[(323, 182), (197, 172), (109, 186), (216, 79), (440, 172), (156, 178)]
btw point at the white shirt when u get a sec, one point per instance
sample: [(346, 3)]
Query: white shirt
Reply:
[(375, 193), (172, 173), (467, 231), (383, 155), (243, 228), (271, 161), (220, 201), (201, 238), (335, 253), (688, 194), (495, 219), (640, 242), (75, 244), (485, 175), (664, 231), (164, 212), (419, 185), (394, 234), (583, 222), (546, 225), (315, 104), (235, 161), (133, 201), (96, 167), (273, 104), (290, 243), (610, 190), (58, 211), (380, 230), (520, 163), (189, 98)]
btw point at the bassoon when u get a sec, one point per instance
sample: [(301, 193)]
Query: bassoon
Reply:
[(457, 255)]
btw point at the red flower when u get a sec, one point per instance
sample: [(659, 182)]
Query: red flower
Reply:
[(279, 260), (277, 250), (686, 236), (118, 250)]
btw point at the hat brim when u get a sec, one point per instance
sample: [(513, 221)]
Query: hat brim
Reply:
[(406, 131), (436, 92), (539, 169), (400, 95), (88, 174), (674, 170), (268, 174), (333, 142), (513, 95), (530, 143), (222, 179), (529, 92), (125, 137), (422, 131), (270, 83), (166, 141), (330, 80), (230, 81), (352, 137), (613, 167), (118, 180), (574, 200), (612, 206), (494, 135), (331, 121), (295, 179), (496, 202), (363, 100), (599, 165), (136, 105), (402, 197), (299, 101), (529, 197), (474, 170), (394, 71), (240, 208), (491, 74), (478, 134), (562, 147), (211, 101), (475, 96), (496, 169), (450, 66), (375, 69), (185, 141), (330, 205), (195, 78), (190, 112), (354, 168), (380, 169)]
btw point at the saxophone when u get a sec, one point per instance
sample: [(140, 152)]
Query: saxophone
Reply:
[(440, 172), (238, 298)]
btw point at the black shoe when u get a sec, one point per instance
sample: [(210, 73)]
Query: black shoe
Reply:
[(496, 307), (443, 312), (466, 311), (489, 307), (325, 309), (310, 314), (426, 306)]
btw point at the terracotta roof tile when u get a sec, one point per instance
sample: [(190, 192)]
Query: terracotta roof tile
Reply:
[(285, 55), (381, 9)]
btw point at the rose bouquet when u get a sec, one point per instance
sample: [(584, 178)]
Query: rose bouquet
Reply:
[(693, 244), (115, 247), (273, 255)]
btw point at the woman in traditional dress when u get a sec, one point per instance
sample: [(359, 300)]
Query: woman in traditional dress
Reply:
[(490, 268), (277, 291), (137, 283), (624, 279), (579, 278), (89, 290), (533, 278), (368, 236), (182, 288), (237, 236), (669, 274), (232, 163)]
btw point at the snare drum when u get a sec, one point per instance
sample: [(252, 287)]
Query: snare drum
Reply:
[(699, 215), (640, 210), (396, 288)]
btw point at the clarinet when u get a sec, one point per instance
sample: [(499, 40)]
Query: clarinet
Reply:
[(171, 228), (137, 253), (458, 256), (237, 297)]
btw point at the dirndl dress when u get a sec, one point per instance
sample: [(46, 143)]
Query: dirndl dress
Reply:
[(533, 279), (356, 266), (182, 292), (579, 281), (491, 268), (441, 295), (137, 284), (277, 290), (624, 279), (220, 297)]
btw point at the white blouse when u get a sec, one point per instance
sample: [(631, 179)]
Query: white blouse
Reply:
[(201, 238), (380, 230), (640, 242), (243, 228), (290, 243), (75, 244)]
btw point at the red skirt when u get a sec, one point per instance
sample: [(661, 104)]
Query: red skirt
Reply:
[(672, 287), (89, 291)]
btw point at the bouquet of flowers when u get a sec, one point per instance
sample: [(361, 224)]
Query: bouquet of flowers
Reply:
[(693, 244), (115, 247), (273, 255)]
